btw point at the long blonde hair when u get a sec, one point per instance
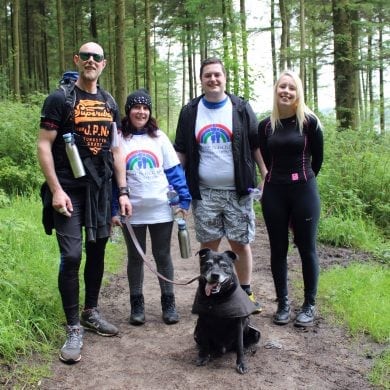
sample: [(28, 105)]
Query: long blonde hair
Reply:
[(302, 110)]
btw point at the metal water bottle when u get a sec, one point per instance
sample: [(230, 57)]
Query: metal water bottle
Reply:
[(73, 156), (184, 239)]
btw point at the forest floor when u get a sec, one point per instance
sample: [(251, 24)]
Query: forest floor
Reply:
[(156, 356)]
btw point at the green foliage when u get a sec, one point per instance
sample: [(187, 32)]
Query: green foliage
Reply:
[(4, 199), (380, 374), (354, 183), (361, 299), (19, 169), (31, 315), (359, 296)]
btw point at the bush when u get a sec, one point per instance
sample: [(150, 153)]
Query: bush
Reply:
[(354, 182), (19, 169)]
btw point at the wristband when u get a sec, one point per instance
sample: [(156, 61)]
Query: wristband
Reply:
[(123, 191)]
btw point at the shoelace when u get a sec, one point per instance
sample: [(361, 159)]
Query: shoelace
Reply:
[(74, 338)]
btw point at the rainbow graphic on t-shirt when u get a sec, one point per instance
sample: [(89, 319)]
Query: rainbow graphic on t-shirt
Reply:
[(215, 134), (141, 159)]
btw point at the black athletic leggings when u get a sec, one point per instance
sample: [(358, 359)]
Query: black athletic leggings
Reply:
[(296, 205), (69, 237), (160, 236)]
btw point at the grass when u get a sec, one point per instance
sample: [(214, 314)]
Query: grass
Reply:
[(361, 299), (31, 315), (359, 296)]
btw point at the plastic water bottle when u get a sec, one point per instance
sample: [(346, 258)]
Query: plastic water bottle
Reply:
[(173, 200), (255, 193), (184, 239), (73, 155)]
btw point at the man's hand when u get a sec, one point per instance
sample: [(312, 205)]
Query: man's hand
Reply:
[(62, 203)]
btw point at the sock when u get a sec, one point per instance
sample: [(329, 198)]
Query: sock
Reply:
[(246, 288)]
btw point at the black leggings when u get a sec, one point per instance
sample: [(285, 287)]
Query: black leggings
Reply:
[(296, 206), (160, 236), (69, 237)]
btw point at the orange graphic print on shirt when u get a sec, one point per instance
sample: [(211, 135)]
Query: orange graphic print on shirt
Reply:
[(93, 123)]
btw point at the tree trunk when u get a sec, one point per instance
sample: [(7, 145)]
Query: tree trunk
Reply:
[(302, 47), (120, 58), (225, 38), (16, 48), (233, 33), (283, 37), (244, 43), (93, 23), (148, 54), (273, 44), (343, 65), (60, 29)]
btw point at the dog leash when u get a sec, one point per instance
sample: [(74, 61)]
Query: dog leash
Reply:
[(146, 261)]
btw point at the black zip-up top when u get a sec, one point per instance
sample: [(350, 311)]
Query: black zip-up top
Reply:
[(289, 156), (245, 140)]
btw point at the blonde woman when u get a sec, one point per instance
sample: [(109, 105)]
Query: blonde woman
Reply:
[(291, 144)]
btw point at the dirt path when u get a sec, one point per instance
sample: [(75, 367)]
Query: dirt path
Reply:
[(157, 356)]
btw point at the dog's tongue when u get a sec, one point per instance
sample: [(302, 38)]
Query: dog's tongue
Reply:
[(209, 287)]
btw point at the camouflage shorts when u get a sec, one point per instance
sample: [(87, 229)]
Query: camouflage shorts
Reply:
[(222, 213)]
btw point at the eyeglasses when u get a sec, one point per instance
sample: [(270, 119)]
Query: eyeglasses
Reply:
[(86, 56)]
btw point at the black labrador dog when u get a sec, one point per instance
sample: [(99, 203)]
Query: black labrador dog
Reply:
[(223, 310)]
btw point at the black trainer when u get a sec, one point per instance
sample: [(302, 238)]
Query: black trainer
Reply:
[(71, 350), (137, 315), (305, 316), (93, 321), (282, 315), (169, 313)]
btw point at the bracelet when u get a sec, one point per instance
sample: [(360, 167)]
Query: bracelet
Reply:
[(123, 191)]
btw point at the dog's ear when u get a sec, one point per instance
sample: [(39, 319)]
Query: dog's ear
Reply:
[(231, 254), (203, 253)]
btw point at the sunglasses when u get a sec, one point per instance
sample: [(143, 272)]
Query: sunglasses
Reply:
[(86, 56)]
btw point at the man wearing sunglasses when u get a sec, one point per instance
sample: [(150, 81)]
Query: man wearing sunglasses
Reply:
[(71, 203)]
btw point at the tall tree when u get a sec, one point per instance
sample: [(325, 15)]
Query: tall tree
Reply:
[(344, 68), (273, 43), (148, 53), (244, 43), (302, 46), (60, 24), (16, 48), (120, 57)]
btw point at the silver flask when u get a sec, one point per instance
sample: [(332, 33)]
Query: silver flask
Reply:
[(73, 156)]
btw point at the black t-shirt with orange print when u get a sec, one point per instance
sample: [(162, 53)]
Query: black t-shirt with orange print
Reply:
[(92, 124)]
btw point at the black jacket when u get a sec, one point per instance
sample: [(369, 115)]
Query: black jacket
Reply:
[(245, 140)]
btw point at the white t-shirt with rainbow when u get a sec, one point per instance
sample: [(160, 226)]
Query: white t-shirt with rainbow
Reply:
[(146, 160), (213, 132)]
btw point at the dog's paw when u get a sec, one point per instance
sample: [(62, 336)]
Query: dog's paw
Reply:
[(202, 360), (242, 368)]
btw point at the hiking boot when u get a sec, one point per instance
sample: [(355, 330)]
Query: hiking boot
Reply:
[(169, 313), (258, 308), (305, 316), (282, 315), (93, 321), (71, 350), (137, 315)]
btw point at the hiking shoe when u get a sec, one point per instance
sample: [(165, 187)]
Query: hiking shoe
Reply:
[(71, 350), (258, 308), (137, 315), (93, 321), (169, 313), (305, 316), (282, 315)]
